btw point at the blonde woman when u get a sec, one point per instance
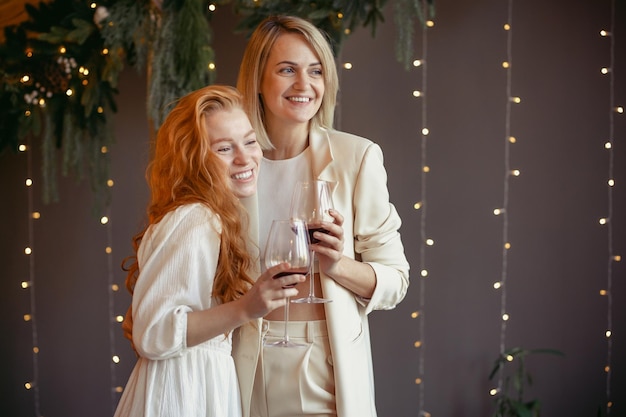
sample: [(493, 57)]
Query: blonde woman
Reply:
[(289, 81)]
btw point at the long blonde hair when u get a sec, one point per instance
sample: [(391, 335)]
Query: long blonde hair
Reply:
[(185, 170), (255, 59)]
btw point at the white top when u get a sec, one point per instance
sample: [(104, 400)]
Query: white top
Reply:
[(177, 262), (277, 180)]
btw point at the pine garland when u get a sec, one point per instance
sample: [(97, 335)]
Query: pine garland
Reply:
[(59, 69)]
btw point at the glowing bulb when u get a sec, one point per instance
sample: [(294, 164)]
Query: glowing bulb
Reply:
[(497, 285), (507, 26), (35, 349), (417, 93), (607, 368), (417, 205), (36, 215), (603, 292), (28, 385), (604, 33), (119, 319), (100, 110), (69, 92), (617, 258), (516, 100), (108, 250), (605, 70), (425, 131), (509, 358), (515, 172), (611, 182), (22, 148), (25, 79), (418, 381), (426, 169), (498, 211), (415, 314), (505, 317), (507, 245), (25, 284), (105, 51), (28, 251), (104, 220), (93, 5), (110, 183), (417, 344), (430, 242), (104, 149), (62, 49), (119, 389), (27, 113), (493, 391), (430, 23), (115, 287), (27, 317), (608, 145), (512, 139), (619, 109), (29, 182), (347, 65), (603, 220), (417, 62), (608, 333), (116, 359), (212, 7), (424, 272), (505, 64)]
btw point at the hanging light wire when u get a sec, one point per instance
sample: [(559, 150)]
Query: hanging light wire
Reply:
[(504, 212), (610, 249), (421, 345)]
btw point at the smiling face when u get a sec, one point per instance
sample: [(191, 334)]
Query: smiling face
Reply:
[(234, 141), (292, 83)]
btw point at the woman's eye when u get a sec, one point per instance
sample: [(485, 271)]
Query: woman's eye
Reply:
[(287, 70)]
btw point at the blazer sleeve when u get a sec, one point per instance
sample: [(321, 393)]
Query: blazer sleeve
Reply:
[(177, 260), (376, 233)]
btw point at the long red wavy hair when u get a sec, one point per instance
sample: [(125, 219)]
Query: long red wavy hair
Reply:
[(185, 170)]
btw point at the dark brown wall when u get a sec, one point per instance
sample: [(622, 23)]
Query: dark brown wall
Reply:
[(556, 268)]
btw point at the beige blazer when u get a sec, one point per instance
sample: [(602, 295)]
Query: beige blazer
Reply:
[(360, 194)]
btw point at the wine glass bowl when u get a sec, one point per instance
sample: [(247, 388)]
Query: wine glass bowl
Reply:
[(311, 202), (288, 241)]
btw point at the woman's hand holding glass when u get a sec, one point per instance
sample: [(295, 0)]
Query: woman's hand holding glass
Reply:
[(329, 248), (269, 293)]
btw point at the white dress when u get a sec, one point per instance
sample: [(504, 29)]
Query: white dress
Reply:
[(177, 262)]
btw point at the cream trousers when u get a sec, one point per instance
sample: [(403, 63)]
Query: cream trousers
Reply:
[(294, 381)]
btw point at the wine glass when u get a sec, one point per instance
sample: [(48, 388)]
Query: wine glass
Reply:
[(311, 202), (288, 241)]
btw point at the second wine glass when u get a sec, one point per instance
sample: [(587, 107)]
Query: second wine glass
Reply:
[(311, 202), (288, 241)]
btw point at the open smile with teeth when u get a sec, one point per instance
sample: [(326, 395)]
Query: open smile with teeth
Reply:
[(242, 175), (300, 99)]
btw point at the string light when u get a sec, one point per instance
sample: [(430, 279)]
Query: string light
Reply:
[(113, 288), (31, 318), (502, 211), (607, 221), (422, 205)]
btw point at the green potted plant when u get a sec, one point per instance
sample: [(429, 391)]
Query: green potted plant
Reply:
[(509, 400)]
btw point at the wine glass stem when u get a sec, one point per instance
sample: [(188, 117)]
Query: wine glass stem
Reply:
[(286, 335), (311, 275)]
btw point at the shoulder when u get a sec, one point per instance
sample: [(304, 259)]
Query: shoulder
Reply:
[(187, 219), (348, 146)]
